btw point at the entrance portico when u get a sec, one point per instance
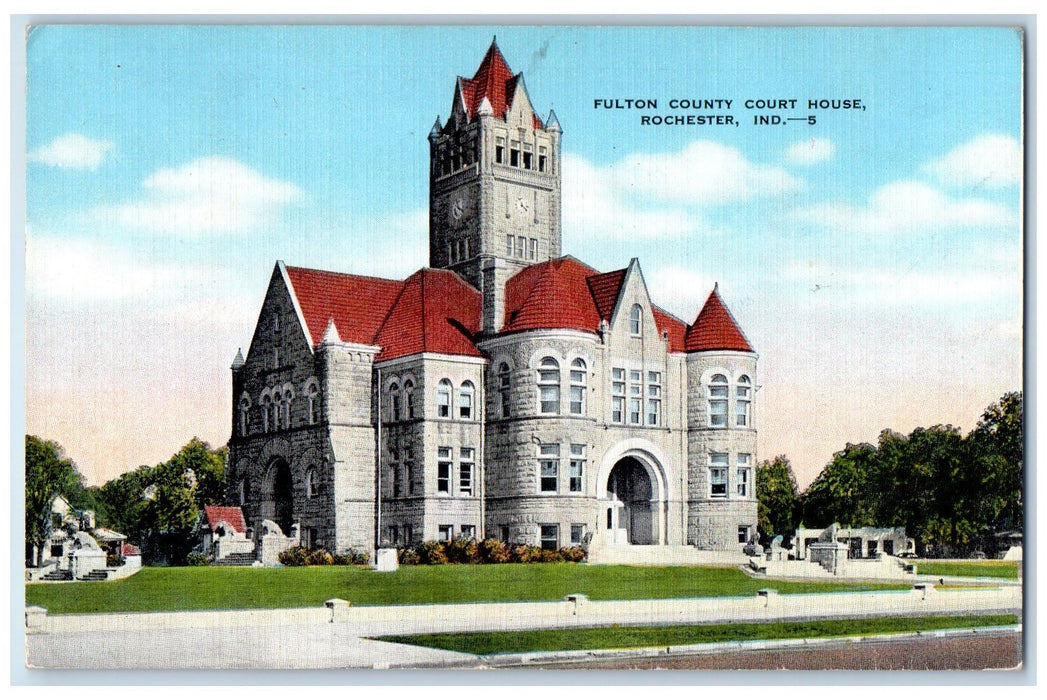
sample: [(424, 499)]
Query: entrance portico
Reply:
[(632, 493)]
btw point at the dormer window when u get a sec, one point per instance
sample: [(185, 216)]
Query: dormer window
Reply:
[(636, 320)]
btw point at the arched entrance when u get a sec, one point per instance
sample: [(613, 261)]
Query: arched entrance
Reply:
[(280, 504), (631, 512)]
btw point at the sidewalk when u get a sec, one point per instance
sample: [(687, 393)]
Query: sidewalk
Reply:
[(307, 638)]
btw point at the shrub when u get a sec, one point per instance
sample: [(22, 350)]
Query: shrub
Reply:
[(493, 552), (434, 552), (319, 557), (573, 554), (525, 553), (550, 556), (342, 559), (359, 557), (462, 551), (408, 557), (295, 556), (196, 559)]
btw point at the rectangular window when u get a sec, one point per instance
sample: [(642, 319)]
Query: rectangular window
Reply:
[(635, 397), (393, 534), (409, 470), (577, 406), (499, 150), (469, 532), (443, 470), (527, 160), (741, 413), (576, 469), (718, 413), (743, 534), (533, 254), (521, 247), (505, 533), (550, 536), (718, 475), (541, 163), (549, 461), (577, 534), (394, 472), (465, 471), (514, 157), (635, 411), (503, 392), (408, 534), (654, 398), (744, 476), (509, 241), (446, 533), (617, 395)]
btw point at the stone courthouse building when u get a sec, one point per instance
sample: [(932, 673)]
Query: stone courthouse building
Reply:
[(507, 390)]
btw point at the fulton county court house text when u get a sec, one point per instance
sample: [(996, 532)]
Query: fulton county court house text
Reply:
[(763, 112)]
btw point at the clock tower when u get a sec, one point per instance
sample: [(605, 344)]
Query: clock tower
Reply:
[(494, 179)]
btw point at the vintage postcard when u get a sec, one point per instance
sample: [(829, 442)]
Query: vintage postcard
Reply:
[(474, 347)]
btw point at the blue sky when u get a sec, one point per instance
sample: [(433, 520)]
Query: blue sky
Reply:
[(873, 259)]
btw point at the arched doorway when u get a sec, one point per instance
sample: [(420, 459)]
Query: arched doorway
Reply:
[(630, 515), (280, 505)]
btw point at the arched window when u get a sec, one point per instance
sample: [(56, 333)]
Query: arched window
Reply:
[(636, 320), (743, 398), (409, 398), (549, 385), (394, 401), (241, 491), (267, 406), (443, 399), (578, 387), (285, 405), (465, 401), (312, 395), (310, 482), (245, 408), (718, 393), (504, 386)]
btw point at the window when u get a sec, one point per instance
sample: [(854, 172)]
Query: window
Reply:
[(636, 320), (527, 160), (744, 476), (499, 150), (743, 534), (446, 533), (241, 491), (549, 385), (409, 398), (394, 401), (245, 409), (276, 357), (521, 247), (443, 399), (549, 461), (550, 536), (409, 469), (504, 530), (718, 475), (617, 395), (310, 483), (532, 254), (654, 398), (718, 401), (394, 474), (504, 387), (468, 532), (465, 401), (267, 404), (577, 534), (514, 154), (408, 534), (578, 386), (466, 467), (636, 397), (394, 534), (743, 396), (576, 469), (541, 159), (312, 395), (443, 470), (510, 240)]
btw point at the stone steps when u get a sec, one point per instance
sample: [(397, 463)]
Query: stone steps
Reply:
[(57, 575), (96, 575), (237, 559)]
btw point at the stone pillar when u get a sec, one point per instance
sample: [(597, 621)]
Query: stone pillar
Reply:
[(495, 273)]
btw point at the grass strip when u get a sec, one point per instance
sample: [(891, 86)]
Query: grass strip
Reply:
[(482, 643), (233, 588), (994, 569)]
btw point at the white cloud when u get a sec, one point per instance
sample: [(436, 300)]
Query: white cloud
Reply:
[(208, 195), (703, 173), (906, 206), (679, 290), (84, 270), (73, 152), (810, 151), (991, 161)]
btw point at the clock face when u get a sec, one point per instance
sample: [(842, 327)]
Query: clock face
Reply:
[(521, 205)]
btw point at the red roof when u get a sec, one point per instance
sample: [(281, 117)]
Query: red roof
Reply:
[(436, 312), (230, 514), (128, 550), (493, 80), (430, 311), (715, 328), (357, 304)]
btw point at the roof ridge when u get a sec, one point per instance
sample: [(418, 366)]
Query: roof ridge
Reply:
[(343, 274)]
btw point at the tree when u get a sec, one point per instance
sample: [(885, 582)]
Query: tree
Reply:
[(777, 497), (48, 473), (998, 450), (843, 492)]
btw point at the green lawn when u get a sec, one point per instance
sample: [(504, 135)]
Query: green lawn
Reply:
[(989, 567), (216, 588), (639, 637)]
